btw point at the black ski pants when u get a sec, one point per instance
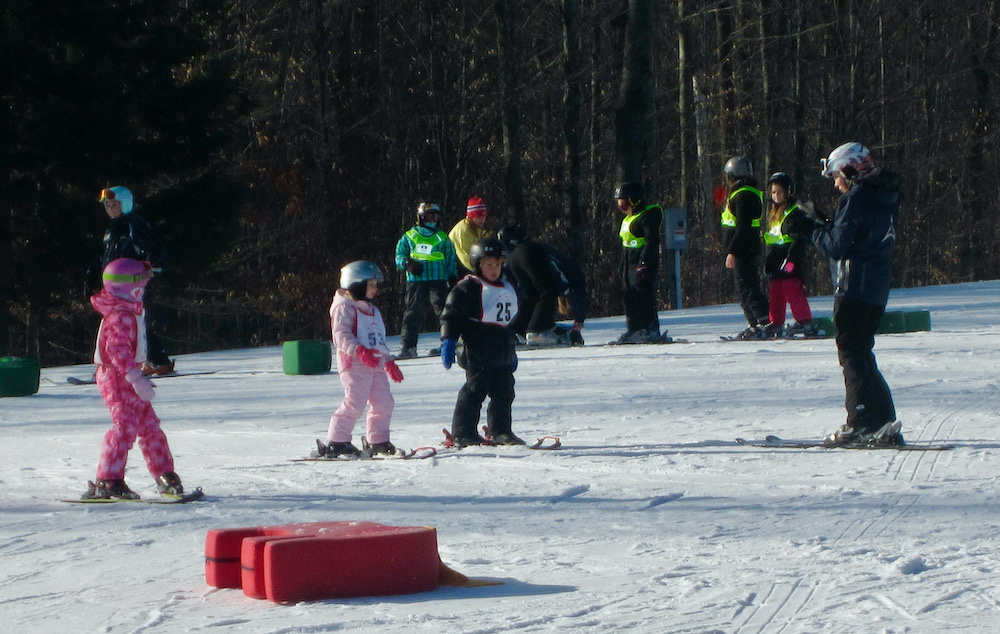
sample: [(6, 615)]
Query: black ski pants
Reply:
[(418, 295), (495, 382), (753, 301), (868, 401)]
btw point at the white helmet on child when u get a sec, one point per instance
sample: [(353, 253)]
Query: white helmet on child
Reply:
[(848, 160), (359, 271)]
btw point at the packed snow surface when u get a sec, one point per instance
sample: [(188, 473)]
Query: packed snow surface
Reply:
[(649, 519)]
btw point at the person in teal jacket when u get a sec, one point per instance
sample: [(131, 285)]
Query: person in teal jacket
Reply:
[(428, 256)]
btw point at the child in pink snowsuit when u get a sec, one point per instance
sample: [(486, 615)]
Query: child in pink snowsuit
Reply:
[(121, 349), (363, 363)]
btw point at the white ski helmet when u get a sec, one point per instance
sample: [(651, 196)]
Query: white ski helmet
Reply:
[(849, 160), (359, 271)]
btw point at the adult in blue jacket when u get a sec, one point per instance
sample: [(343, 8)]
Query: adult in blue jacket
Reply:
[(859, 241)]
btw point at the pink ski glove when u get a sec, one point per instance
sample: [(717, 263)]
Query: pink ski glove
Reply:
[(367, 356), (393, 371), (789, 267), (141, 384)]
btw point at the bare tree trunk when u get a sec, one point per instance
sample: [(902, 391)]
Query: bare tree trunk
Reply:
[(511, 116), (572, 102), (634, 118)]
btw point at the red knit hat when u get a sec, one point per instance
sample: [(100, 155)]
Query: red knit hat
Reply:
[(476, 207)]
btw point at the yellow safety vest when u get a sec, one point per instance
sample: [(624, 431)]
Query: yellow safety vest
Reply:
[(728, 219), (630, 241), (774, 235), (424, 246)]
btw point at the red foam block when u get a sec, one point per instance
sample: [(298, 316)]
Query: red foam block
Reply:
[(305, 562)]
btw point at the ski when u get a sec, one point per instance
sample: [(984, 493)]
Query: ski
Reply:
[(420, 453), (774, 442), (663, 340), (164, 498), (763, 339), (544, 443), (72, 380)]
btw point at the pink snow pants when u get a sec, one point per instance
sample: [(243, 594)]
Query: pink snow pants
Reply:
[(363, 385), (130, 417), (787, 291)]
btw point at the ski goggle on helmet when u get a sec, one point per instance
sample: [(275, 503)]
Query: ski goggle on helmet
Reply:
[(126, 278), (119, 193)]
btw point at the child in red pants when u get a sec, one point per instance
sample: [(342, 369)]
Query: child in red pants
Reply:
[(787, 234)]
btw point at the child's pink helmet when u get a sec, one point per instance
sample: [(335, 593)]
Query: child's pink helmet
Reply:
[(126, 278)]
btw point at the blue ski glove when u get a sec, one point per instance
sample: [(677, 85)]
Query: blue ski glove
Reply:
[(448, 353), (513, 366)]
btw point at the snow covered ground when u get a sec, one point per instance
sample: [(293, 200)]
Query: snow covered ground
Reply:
[(650, 519)]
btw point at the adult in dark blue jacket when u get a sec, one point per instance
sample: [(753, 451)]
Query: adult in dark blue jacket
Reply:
[(859, 241)]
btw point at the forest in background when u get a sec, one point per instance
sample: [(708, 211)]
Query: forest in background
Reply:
[(271, 142)]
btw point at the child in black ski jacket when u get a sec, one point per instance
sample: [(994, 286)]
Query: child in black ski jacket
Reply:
[(479, 310)]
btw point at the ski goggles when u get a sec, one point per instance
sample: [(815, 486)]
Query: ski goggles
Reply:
[(107, 194)]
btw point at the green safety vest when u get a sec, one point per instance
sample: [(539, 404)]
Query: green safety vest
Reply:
[(424, 247), (630, 241), (774, 235), (728, 219)]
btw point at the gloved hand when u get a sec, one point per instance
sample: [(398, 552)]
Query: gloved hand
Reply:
[(448, 353), (414, 267), (809, 209), (641, 273), (143, 387), (788, 266), (367, 356), (393, 371), (513, 366)]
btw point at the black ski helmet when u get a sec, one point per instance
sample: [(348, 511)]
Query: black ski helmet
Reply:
[(491, 247), (738, 167), (784, 180), (512, 235), (633, 192)]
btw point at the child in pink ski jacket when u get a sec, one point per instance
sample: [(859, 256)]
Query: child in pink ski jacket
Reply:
[(121, 350), (363, 363)]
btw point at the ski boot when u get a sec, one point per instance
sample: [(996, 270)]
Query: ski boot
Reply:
[(380, 448), (169, 483), (407, 353), (469, 441), (336, 449), (506, 438), (109, 490), (157, 369)]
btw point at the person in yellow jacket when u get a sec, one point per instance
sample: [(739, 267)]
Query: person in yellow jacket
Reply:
[(468, 231)]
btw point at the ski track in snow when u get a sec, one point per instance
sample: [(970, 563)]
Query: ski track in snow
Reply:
[(648, 519)]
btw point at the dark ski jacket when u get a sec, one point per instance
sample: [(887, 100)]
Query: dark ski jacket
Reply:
[(861, 236), (798, 226), (538, 270), (127, 236), (486, 345), (648, 226), (743, 240)]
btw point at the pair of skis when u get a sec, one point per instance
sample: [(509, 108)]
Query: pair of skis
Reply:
[(774, 442), (422, 453), (164, 498)]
